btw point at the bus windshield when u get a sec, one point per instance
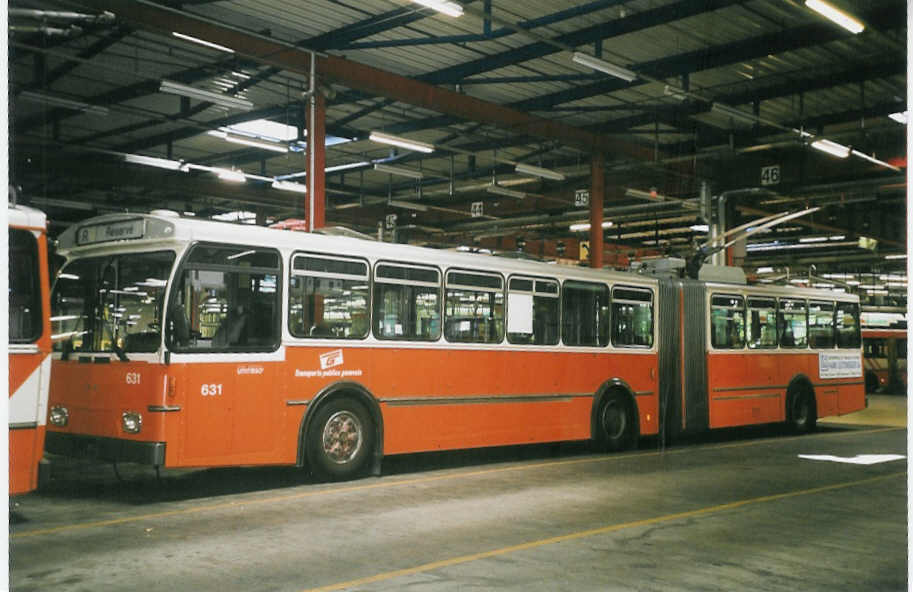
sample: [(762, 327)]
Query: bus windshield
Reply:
[(111, 303)]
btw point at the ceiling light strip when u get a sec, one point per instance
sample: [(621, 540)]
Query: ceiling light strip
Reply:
[(400, 171), (836, 15), (604, 66), (528, 169), (202, 42), (176, 88), (383, 138), (442, 6)]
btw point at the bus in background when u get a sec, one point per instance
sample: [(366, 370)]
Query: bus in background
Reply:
[(189, 343), (885, 359), (29, 345)]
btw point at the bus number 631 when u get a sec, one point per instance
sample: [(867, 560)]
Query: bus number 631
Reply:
[(211, 390)]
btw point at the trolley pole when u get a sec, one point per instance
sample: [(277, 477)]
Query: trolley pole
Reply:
[(597, 195)]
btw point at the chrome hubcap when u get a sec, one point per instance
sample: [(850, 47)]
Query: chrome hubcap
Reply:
[(342, 437)]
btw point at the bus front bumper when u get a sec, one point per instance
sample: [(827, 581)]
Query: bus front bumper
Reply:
[(110, 449)]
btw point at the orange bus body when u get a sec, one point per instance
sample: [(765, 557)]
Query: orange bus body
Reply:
[(218, 408), (29, 357)]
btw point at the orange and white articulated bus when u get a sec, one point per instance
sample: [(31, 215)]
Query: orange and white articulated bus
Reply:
[(885, 359), (29, 345), (195, 343)]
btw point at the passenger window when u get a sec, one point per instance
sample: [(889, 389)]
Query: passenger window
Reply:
[(821, 324), (532, 311), (407, 302), (24, 289), (847, 325), (762, 323), (791, 323), (585, 314), (474, 307), (727, 322), (226, 299), (328, 297), (632, 317)]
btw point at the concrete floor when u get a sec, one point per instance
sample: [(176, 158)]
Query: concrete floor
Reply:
[(733, 510)]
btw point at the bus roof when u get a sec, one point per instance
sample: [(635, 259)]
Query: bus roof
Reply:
[(129, 232)]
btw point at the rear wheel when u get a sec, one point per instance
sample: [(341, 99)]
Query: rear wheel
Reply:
[(340, 439), (801, 415), (616, 423)]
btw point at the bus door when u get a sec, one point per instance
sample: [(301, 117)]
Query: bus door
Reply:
[(225, 314)]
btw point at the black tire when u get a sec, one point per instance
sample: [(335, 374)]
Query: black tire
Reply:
[(801, 415), (616, 430), (340, 440)]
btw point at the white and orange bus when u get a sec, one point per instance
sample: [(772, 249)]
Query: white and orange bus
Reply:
[(885, 359), (29, 345), (197, 343)]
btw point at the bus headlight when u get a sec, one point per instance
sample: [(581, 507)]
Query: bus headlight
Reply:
[(59, 416), (131, 422)]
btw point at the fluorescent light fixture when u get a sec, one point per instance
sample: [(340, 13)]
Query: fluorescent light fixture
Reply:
[(899, 117), (289, 186), (874, 160), (498, 190), (764, 270), (832, 148), (395, 170), (528, 169), (442, 6), (837, 237), (648, 195), (37, 97), (584, 226), (407, 205), (231, 175), (176, 88), (700, 227), (899, 256), (604, 66), (401, 142), (162, 163), (813, 239), (345, 167), (675, 92), (838, 16), (248, 141), (203, 42), (266, 129), (734, 113)]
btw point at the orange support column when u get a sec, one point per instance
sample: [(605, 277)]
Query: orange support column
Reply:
[(315, 201), (597, 195)]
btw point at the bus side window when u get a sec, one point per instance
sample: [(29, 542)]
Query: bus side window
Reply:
[(727, 322), (328, 297), (632, 316), (230, 296), (585, 314), (762, 323), (847, 325), (821, 324), (24, 289), (407, 302), (532, 311), (474, 307), (792, 323)]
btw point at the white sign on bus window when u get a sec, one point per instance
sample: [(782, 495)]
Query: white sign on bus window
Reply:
[(839, 365)]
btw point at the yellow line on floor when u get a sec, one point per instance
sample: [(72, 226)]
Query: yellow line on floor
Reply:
[(592, 532), (415, 481)]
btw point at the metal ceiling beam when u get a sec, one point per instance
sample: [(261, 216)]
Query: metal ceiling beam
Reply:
[(358, 76), (635, 22), (716, 56)]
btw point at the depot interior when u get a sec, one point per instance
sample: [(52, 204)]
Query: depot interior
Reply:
[(609, 133)]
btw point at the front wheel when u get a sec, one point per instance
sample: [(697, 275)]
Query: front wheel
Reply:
[(801, 416), (617, 430), (340, 440)]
